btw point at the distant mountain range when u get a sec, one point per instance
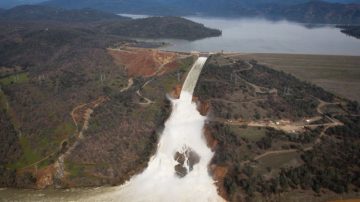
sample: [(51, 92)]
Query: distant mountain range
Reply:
[(13, 3), (307, 11), (318, 12), (313, 11), (344, 1), (36, 13), (109, 23), (353, 31)]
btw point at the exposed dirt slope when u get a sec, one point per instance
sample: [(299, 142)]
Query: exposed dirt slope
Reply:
[(143, 62), (272, 133)]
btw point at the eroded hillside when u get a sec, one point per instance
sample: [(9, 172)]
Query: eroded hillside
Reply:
[(72, 114), (276, 137)]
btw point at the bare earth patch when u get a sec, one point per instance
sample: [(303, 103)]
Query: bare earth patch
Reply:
[(143, 62)]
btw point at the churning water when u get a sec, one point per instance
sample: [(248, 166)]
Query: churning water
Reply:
[(177, 172), (179, 169)]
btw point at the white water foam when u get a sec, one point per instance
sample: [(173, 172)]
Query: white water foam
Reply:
[(184, 129)]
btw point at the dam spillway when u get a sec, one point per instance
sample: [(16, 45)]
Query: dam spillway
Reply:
[(177, 172), (179, 169)]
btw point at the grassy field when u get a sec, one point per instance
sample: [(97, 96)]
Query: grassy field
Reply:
[(74, 169), (252, 134), (16, 78), (337, 74), (274, 162)]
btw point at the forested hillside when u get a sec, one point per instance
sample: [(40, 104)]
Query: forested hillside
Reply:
[(68, 89), (276, 137), (300, 10), (108, 23)]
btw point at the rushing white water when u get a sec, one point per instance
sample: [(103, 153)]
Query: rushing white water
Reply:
[(182, 145), (183, 133)]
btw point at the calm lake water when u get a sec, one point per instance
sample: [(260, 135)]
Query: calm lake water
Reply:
[(265, 36)]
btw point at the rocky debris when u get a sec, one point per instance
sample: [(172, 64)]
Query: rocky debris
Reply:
[(218, 173), (44, 177), (204, 108), (180, 170), (193, 159), (80, 114), (180, 158), (210, 140), (186, 161), (176, 92)]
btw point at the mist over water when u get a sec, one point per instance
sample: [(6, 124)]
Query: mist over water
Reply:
[(178, 172), (183, 134)]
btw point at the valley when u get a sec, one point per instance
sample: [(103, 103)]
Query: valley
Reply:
[(100, 107), (58, 110), (261, 131)]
